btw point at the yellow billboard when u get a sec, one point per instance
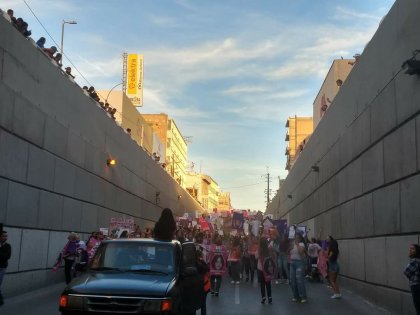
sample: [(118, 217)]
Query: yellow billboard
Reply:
[(134, 82)]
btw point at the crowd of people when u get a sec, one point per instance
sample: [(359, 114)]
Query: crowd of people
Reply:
[(56, 57)]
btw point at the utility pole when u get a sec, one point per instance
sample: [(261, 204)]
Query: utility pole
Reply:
[(268, 190)]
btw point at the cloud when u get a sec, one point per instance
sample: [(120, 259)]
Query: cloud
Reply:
[(343, 13), (163, 21), (245, 89)]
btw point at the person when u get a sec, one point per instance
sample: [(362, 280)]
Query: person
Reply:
[(252, 250), (5, 254), (412, 272), (235, 259), (10, 13), (203, 270), (282, 261), (68, 72), (297, 269), (313, 250), (217, 264), (69, 256), (165, 227), (246, 259), (92, 244), (58, 59), (50, 51), (265, 284), (333, 266), (41, 42)]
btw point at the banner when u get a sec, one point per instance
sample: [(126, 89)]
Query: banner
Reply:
[(217, 260), (281, 226), (269, 265), (116, 225), (134, 84), (237, 221)]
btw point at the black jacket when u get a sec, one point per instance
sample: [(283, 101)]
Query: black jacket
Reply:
[(5, 253)]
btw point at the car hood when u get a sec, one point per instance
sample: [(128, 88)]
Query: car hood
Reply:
[(121, 283)]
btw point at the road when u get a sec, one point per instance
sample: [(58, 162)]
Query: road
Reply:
[(233, 299)]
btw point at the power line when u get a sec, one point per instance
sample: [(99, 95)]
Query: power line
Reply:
[(225, 188), (64, 55)]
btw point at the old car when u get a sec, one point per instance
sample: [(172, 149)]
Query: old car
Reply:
[(136, 276)]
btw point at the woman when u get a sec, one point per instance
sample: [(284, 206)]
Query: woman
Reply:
[(217, 264), (263, 253), (297, 270), (203, 270), (93, 244), (235, 260), (165, 227), (333, 266), (69, 256), (412, 272)]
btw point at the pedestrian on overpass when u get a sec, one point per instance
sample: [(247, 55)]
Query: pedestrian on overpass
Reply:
[(412, 272), (5, 253)]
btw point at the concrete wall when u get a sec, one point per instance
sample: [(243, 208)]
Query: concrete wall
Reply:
[(367, 147), (54, 143)]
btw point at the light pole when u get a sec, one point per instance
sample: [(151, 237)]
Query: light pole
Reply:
[(106, 100), (62, 34)]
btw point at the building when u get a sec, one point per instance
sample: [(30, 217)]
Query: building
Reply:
[(128, 117), (204, 189), (335, 78), (224, 201), (298, 133), (176, 147)]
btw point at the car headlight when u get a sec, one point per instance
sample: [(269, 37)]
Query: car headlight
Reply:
[(157, 306), (75, 302)]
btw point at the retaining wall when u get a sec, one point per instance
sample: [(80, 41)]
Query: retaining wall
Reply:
[(367, 148)]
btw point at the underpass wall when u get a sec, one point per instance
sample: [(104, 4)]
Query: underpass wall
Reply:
[(54, 144), (367, 148)]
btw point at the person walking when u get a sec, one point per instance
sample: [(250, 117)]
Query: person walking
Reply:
[(265, 284), (412, 272), (333, 266), (235, 260), (217, 264), (5, 254), (297, 270), (203, 270), (282, 262), (69, 256)]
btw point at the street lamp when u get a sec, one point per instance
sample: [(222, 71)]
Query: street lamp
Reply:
[(106, 100), (62, 34)]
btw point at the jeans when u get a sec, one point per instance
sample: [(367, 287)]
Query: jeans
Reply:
[(282, 266), (297, 279), (2, 273), (415, 292)]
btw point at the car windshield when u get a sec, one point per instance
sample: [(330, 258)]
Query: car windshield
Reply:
[(135, 257)]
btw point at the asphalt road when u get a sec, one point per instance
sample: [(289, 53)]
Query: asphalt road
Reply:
[(234, 299)]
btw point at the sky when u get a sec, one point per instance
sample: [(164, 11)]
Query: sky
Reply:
[(229, 72)]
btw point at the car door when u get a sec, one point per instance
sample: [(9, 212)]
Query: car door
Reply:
[(191, 287)]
